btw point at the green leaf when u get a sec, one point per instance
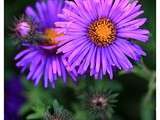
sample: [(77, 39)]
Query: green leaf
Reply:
[(34, 116)]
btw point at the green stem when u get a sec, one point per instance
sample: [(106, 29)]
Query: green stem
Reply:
[(143, 71), (147, 107), (151, 87)]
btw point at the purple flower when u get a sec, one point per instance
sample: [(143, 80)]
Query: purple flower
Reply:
[(13, 98), (99, 35), (42, 59)]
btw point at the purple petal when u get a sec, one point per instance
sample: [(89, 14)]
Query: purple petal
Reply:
[(31, 13), (98, 63), (24, 52), (136, 36)]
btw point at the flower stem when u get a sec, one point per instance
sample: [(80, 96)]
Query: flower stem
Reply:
[(147, 105)]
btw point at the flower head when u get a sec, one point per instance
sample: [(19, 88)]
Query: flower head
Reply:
[(24, 28), (102, 32), (100, 103), (99, 35), (41, 58)]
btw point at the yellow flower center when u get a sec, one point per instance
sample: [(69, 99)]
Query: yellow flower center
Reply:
[(102, 32), (50, 35)]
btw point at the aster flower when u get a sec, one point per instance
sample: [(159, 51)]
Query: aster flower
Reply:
[(13, 98), (41, 58), (100, 103), (99, 35)]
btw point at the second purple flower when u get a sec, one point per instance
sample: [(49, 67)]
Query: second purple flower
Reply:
[(40, 55)]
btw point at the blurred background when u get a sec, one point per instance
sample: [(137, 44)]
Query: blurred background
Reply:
[(136, 100)]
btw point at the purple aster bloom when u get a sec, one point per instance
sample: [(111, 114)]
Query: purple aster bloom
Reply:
[(13, 98), (42, 59), (98, 35)]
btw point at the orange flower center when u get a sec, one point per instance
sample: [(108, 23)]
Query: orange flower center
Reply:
[(102, 32), (50, 35)]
